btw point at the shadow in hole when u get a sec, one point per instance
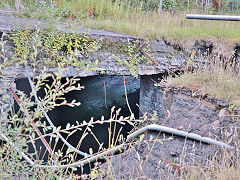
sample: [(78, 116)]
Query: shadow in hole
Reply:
[(92, 99)]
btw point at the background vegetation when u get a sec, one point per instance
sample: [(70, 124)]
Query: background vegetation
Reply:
[(137, 17)]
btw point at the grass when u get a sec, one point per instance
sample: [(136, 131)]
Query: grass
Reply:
[(225, 164), (218, 83), (219, 170), (123, 17), (169, 25)]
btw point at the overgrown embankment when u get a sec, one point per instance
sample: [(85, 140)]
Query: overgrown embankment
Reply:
[(87, 52), (117, 54)]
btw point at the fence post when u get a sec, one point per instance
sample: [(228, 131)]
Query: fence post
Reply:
[(160, 7), (207, 3)]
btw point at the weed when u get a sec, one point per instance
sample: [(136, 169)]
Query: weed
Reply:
[(218, 84), (51, 47), (134, 57), (20, 131)]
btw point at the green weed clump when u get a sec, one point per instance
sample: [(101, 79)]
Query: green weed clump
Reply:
[(96, 8), (51, 47), (134, 57)]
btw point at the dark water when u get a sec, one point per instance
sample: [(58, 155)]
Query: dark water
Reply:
[(92, 99)]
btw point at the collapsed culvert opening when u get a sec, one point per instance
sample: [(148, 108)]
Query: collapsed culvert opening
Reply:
[(97, 99)]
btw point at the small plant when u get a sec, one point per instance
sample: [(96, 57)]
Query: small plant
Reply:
[(21, 130), (50, 47), (134, 57)]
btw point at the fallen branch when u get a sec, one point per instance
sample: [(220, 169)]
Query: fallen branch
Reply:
[(150, 57), (140, 48)]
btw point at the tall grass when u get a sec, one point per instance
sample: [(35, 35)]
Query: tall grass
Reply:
[(123, 17), (167, 25), (97, 8), (218, 77)]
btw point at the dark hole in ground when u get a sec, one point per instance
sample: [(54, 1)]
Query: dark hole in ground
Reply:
[(92, 99)]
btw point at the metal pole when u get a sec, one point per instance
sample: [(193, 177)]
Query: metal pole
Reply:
[(213, 17), (205, 6), (208, 4), (160, 7), (130, 137)]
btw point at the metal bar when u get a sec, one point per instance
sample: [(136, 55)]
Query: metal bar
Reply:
[(208, 5), (130, 137), (205, 7), (160, 7), (213, 17)]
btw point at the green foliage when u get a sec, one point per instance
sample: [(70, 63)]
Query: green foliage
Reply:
[(51, 47), (134, 56), (21, 131), (6, 3), (170, 5), (21, 128), (94, 8), (44, 11)]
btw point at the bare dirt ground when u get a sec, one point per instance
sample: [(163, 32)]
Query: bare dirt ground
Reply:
[(167, 156)]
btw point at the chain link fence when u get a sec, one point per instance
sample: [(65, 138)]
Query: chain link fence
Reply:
[(207, 6)]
